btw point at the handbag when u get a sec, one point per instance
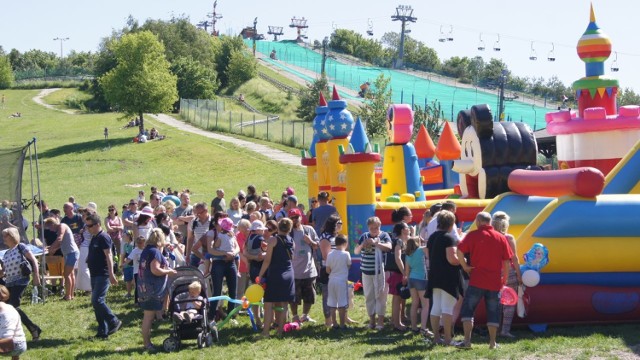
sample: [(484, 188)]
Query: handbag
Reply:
[(25, 265), (6, 346)]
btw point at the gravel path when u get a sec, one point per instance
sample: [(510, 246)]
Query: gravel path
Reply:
[(45, 92)]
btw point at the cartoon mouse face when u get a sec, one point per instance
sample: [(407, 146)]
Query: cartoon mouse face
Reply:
[(471, 155)]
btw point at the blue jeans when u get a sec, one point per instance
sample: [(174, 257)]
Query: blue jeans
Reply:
[(472, 298), (226, 269), (104, 316), (194, 261), (15, 294)]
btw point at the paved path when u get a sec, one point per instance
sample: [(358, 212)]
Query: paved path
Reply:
[(270, 153)]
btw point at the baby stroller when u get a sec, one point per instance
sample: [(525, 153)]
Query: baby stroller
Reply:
[(196, 328)]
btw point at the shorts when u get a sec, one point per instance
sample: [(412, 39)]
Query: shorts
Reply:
[(305, 291), (471, 299), (128, 273), (393, 279), (443, 303), (151, 305), (337, 294), (418, 284), (71, 259)]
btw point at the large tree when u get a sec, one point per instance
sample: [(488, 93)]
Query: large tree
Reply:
[(195, 81), (374, 109), (6, 74), (309, 98), (141, 81)]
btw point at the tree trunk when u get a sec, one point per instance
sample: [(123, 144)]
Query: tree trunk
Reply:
[(141, 126)]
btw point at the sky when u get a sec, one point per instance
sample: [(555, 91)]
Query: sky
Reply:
[(514, 25)]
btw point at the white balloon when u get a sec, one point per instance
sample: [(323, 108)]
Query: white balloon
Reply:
[(530, 278)]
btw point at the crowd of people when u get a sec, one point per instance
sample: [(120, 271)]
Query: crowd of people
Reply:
[(294, 254)]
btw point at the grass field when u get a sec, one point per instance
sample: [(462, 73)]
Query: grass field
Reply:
[(76, 160)]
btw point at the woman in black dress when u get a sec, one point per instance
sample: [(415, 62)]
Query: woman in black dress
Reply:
[(280, 284)]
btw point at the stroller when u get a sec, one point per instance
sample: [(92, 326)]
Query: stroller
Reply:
[(198, 327)]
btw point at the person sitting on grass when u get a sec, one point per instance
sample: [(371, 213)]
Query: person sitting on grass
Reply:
[(189, 303), (338, 263)]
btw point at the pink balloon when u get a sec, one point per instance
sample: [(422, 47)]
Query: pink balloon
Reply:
[(508, 296)]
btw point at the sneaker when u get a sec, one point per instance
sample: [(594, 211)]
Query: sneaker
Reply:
[(508, 335), (116, 326), (128, 296), (463, 345), (307, 318), (150, 348), (177, 317), (35, 334), (296, 318), (101, 337)]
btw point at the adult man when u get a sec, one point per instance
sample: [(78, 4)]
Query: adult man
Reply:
[(154, 200), (322, 212), (489, 252), (183, 214), (304, 267), (218, 203), (290, 203), (73, 221), (100, 262), (196, 228), (129, 215), (433, 224)]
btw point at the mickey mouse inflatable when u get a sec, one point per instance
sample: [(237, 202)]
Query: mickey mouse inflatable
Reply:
[(490, 152)]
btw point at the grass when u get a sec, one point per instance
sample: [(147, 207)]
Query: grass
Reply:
[(76, 160), (68, 99)]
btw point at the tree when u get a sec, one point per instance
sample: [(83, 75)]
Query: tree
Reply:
[(431, 117), (195, 81), (6, 74), (492, 72), (223, 59), (241, 68), (309, 98), (141, 81), (627, 96), (374, 109)]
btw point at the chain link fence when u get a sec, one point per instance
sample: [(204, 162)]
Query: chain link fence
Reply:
[(211, 115)]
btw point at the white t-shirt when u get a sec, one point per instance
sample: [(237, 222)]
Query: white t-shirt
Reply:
[(135, 256), (227, 242), (10, 324), (433, 227), (339, 262)]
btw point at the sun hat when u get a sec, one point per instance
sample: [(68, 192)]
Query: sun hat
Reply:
[(295, 212), (257, 225), (147, 210), (226, 224)]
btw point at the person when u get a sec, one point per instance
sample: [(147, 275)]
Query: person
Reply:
[(338, 264), (134, 260), (394, 267), (304, 268), (224, 250), (152, 287), (322, 212), (127, 268), (143, 224), (70, 251), (432, 227), (266, 207), (241, 98), (426, 219), (290, 203), (500, 222), (100, 261), (189, 303), (415, 275), (11, 325), (273, 55), (244, 231), (277, 271), (106, 133), (445, 280), (234, 211), (83, 277), (331, 228), (364, 88), (5, 211), (196, 229), (372, 247), (183, 214), (490, 256), (218, 203), (251, 194), (255, 251), (15, 281), (114, 227), (129, 215)]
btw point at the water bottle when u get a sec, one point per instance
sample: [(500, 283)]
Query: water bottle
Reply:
[(34, 295)]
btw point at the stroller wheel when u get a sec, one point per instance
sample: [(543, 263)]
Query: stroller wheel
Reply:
[(201, 341), (170, 344)]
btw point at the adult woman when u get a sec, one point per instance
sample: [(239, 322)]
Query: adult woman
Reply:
[(143, 224), (394, 268), (152, 287), (327, 242), (11, 326), (70, 251), (83, 278), (234, 211), (445, 279), (16, 282), (403, 215), (224, 249), (500, 222), (114, 227), (280, 283)]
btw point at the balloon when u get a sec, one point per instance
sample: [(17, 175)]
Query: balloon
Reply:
[(173, 198), (254, 293), (508, 296), (530, 278)]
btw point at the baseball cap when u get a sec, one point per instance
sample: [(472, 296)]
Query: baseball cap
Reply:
[(257, 225), (292, 198), (295, 212)]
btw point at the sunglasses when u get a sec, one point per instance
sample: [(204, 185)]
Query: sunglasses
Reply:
[(91, 225), (339, 223), (314, 201), (132, 204), (110, 210)]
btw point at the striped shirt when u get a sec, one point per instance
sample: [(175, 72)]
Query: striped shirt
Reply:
[(368, 256)]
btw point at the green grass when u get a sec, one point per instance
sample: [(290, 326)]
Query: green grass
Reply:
[(76, 160)]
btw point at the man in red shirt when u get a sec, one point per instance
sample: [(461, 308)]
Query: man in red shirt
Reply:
[(489, 254)]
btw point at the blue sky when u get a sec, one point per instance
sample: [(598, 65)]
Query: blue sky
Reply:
[(31, 24)]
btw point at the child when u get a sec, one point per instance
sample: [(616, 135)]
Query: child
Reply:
[(5, 212), (127, 267), (338, 263), (416, 276), (189, 304), (135, 258)]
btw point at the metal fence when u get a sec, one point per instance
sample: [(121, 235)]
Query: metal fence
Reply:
[(210, 115)]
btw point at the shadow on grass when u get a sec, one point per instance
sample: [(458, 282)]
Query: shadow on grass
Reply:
[(48, 343), (99, 354), (78, 148)]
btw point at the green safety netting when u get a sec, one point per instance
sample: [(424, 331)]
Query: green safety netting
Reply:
[(407, 88)]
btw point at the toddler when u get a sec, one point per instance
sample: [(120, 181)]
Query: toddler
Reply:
[(188, 304), (338, 263), (127, 266)]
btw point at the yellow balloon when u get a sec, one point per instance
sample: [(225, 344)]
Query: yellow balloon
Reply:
[(254, 293)]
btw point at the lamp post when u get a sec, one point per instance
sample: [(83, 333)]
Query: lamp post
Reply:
[(535, 117), (61, 41), (453, 101), (255, 35), (325, 42)]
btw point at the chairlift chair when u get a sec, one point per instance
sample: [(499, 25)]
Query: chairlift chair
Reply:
[(370, 27), (496, 46), (442, 38), (614, 64), (481, 43), (552, 55), (533, 56), (450, 35)]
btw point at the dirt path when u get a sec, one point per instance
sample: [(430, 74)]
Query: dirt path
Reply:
[(270, 153)]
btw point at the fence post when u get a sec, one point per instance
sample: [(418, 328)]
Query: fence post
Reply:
[(254, 124), (241, 123), (217, 116), (208, 116), (229, 121), (267, 127), (282, 128), (293, 137), (303, 133)]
